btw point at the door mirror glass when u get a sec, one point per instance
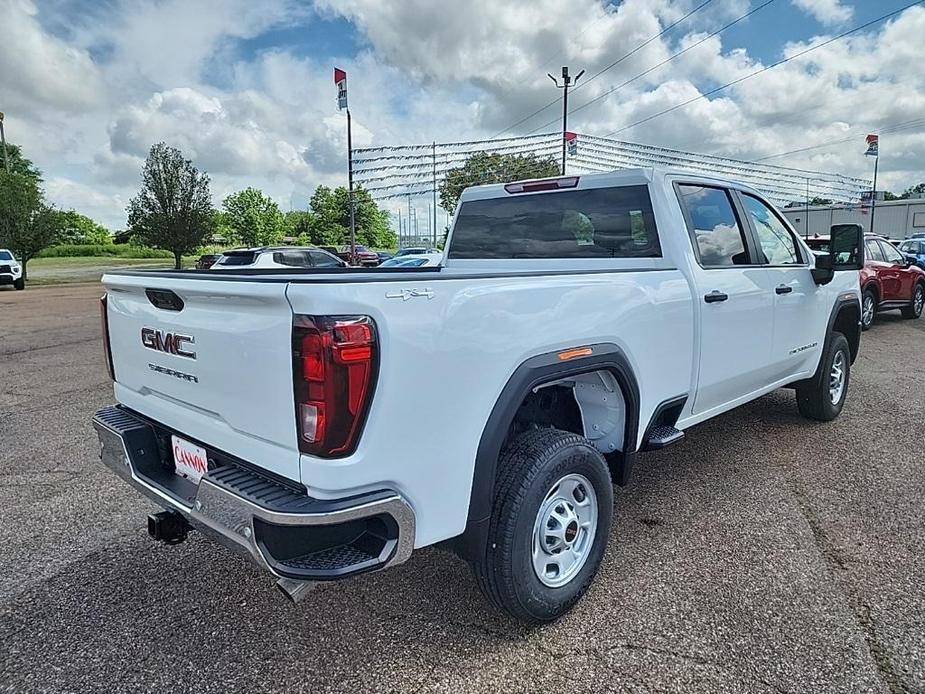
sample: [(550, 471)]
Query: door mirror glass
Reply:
[(846, 246)]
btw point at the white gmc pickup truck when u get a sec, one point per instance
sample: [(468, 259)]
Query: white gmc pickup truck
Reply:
[(327, 422)]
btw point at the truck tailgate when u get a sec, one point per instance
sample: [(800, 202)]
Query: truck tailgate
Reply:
[(218, 370)]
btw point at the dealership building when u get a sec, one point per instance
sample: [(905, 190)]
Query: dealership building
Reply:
[(897, 219)]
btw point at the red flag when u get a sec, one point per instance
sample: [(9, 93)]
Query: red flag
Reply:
[(339, 75)]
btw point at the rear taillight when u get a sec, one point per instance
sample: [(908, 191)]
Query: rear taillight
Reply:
[(335, 360), (104, 328)]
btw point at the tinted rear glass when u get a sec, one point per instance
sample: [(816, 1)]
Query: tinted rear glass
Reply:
[(236, 259), (595, 223)]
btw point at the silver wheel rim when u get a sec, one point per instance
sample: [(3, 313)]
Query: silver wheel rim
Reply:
[(918, 302), (868, 315), (564, 530), (837, 377)]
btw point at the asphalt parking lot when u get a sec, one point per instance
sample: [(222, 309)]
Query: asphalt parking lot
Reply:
[(764, 553)]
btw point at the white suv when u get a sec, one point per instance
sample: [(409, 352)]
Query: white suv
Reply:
[(10, 270), (268, 257)]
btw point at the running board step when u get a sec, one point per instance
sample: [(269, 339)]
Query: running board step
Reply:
[(661, 436)]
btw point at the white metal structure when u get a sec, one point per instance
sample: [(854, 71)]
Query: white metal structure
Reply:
[(623, 352)]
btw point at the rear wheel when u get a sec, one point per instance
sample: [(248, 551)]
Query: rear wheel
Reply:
[(868, 309), (549, 526), (823, 396), (914, 309)]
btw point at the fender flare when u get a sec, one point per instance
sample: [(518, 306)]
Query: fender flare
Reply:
[(533, 372), (854, 336)]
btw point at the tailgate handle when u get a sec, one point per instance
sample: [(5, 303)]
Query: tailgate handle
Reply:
[(165, 299)]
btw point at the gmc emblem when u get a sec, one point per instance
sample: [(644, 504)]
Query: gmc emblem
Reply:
[(171, 343)]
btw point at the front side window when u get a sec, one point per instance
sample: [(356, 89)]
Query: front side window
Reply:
[(777, 243), (594, 223), (717, 233), (891, 254), (324, 260)]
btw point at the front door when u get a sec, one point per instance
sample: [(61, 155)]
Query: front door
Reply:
[(896, 279), (734, 297), (799, 303)]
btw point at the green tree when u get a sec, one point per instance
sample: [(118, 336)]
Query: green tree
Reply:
[(330, 223), (173, 210), (19, 164), (486, 167), (913, 190), (254, 218), (79, 228), (27, 224), (298, 224)]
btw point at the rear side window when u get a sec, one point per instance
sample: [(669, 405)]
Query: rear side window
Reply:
[(716, 229), (292, 258), (873, 251), (236, 259), (594, 223)]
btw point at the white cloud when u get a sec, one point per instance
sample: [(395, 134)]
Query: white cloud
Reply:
[(826, 11), (133, 72)]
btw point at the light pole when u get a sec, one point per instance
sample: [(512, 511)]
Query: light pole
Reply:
[(6, 157), (567, 81)]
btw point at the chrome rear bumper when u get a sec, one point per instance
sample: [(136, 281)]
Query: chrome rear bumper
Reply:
[(226, 507)]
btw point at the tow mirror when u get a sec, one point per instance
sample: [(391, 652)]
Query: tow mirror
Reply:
[(846, 246), (846, 252)]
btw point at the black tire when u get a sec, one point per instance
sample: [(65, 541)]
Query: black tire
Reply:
[(914, 309), (867, 316), (814, 398), (19, 284), (527, 471)]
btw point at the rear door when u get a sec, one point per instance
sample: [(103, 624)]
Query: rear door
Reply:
[(218, 370), (735, 296), (875, 261), (799, 305), (896, 274)]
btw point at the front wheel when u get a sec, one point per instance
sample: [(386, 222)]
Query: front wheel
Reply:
[(868, 309), (549, 526), (19, 284), (823, 396), (914, 309)]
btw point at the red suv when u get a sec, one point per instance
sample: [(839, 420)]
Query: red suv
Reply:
[(889, 281)]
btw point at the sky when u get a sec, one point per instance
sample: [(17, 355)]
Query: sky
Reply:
[(244, 87)]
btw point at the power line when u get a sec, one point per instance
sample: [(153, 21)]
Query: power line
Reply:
[(884, 130), (664, 62), (765, 69), (613, 64)]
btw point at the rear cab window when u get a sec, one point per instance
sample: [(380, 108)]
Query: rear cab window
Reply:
[(237, 258), (612, 222)]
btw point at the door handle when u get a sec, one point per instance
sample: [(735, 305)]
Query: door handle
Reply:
[(715, 297), (783, 289)]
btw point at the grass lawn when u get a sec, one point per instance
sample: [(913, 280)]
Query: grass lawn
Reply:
[(42, 271)]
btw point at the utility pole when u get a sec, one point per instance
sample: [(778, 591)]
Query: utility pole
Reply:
[(340, 80), (435, 193), (408, 220), (567, 81), (873, 197), (806, 225), (399, 227), (6, 156)]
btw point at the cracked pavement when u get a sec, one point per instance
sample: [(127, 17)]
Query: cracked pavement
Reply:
[(764, 553)]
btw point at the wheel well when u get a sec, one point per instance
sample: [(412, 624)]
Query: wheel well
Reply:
[(847, 323), (873, 288), (589, 404)]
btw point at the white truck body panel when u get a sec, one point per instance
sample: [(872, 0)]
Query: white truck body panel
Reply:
[(449, 342)]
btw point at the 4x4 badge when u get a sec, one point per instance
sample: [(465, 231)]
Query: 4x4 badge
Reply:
[(406, 294)]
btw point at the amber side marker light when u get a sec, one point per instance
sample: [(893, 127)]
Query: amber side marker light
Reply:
[(575, 353)]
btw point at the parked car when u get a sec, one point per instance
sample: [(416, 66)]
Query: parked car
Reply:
[(415, 250), (917, 235), (276, 257), (422, 260), (364, 256), (914, 249), (207, 261), (383, 256), (10, 270), (889, 280), (574, 324)]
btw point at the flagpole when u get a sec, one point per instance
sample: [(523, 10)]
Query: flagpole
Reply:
[(353, 249), (873, 197)]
